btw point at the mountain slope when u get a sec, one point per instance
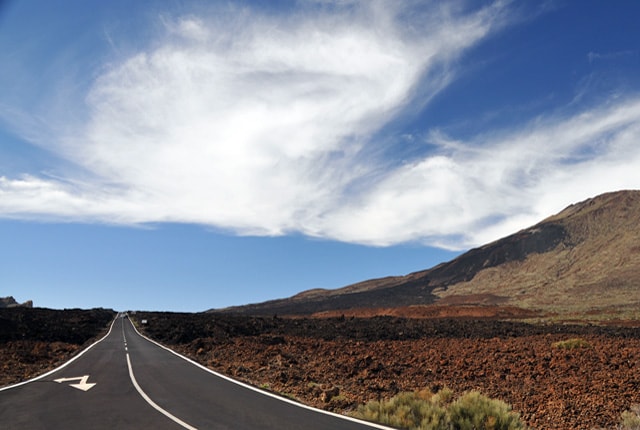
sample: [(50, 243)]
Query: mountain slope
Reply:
[(595, 270), (583, 262)]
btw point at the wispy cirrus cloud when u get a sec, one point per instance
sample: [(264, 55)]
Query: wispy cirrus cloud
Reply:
[(265, 124), (607, 56), (472, 192)]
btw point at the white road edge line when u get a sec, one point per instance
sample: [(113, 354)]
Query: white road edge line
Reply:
[(265, 393), (44, 375), (152, 403)]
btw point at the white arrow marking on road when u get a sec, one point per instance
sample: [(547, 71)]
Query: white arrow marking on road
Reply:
[(82, 385)]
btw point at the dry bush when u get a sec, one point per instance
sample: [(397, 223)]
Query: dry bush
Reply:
[(573, 343), (424, 410), (630, 420)]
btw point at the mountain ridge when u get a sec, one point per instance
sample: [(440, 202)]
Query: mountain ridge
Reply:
[(582, 260)]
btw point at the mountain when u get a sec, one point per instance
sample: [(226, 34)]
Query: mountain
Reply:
[(10, 302), (581, 263)]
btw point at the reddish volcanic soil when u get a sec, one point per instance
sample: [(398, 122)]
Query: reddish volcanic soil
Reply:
[(440, 310), (338, 363), (551, 388), (33, 341), (22, 360)]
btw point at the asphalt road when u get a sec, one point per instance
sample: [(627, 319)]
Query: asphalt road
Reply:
[(141, 385)]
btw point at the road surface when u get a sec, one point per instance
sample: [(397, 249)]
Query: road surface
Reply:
[(126, 381)]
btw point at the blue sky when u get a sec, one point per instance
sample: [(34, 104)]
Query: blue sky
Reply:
[(187, 155)]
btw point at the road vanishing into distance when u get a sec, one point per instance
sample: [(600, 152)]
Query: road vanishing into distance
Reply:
[(126, 381)]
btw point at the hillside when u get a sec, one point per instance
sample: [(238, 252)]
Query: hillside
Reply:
[(581, 263)]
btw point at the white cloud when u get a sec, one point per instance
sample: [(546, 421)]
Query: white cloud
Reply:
[(264, 125), (478, 191), (245, 121)]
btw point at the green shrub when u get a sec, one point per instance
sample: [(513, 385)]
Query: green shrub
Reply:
[(427, 411), (630, 420), (406, 410), (473, 411), (572, 344)]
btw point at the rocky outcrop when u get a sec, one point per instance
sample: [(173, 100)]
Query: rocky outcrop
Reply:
[(10, 302), (50, 325)]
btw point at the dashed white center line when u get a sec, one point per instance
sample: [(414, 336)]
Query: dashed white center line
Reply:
[(144, 395)]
